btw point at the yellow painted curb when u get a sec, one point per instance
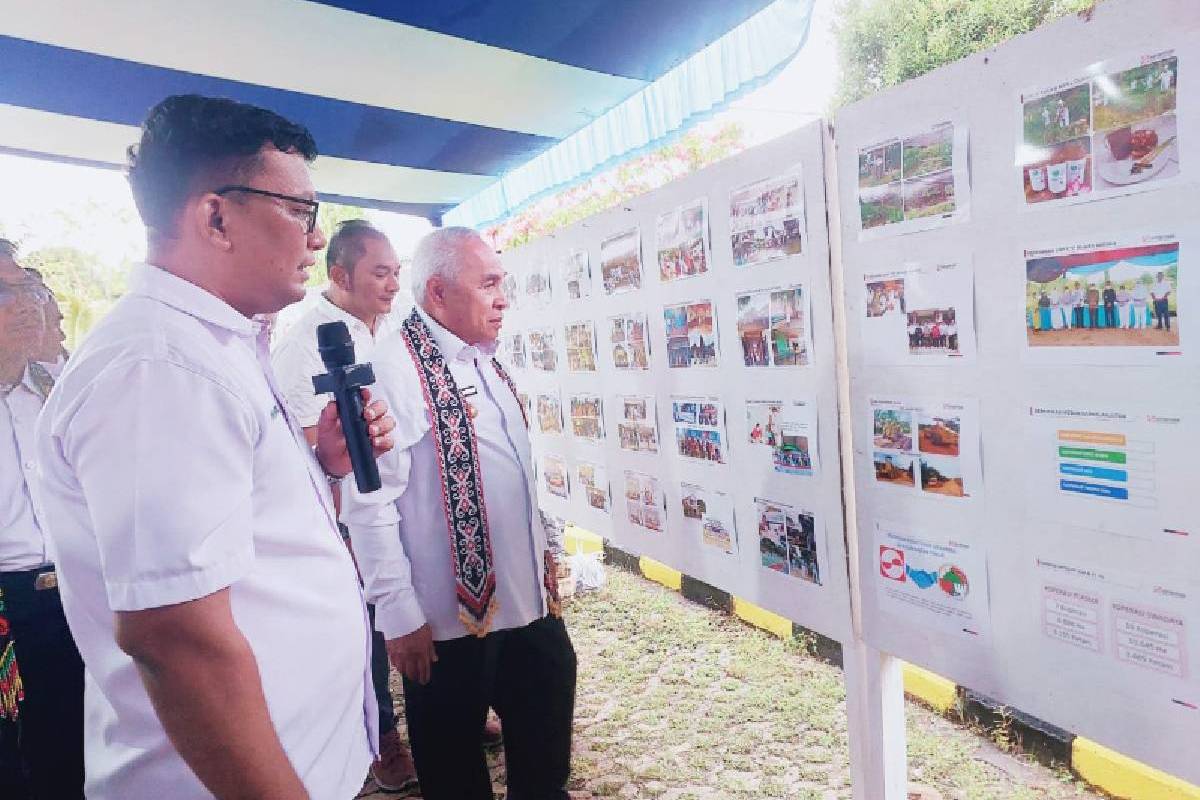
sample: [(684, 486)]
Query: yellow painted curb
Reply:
[(577, 540), (933, 689), (1123, 777), (761, 618), (661, 573)]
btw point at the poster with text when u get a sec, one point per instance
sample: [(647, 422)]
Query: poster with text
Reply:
[(1122, 470), (700, 428), (691, 334), (638, 428), (931, 578), (645, 506), (541, 349), (766, 219), (681, 241), (549, 412), (537, 285), (592, 479), (1114, 301), (554, 475), (787, 540), (630, 346), (773, 327), (919, 314), (914, 182), (587, 418), (621, 262), (581, 347), (927, 447), (1108, 130), (786, 433), (708, 516), (577, 275)]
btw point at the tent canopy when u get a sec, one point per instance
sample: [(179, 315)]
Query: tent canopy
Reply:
[(417, 107)]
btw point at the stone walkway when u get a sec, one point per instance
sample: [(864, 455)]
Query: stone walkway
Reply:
[(677, 702)]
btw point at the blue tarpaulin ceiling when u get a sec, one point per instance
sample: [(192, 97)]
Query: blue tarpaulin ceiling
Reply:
[(458, 108)]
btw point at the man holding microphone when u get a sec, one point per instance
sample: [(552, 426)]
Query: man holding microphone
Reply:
[(216, 608)]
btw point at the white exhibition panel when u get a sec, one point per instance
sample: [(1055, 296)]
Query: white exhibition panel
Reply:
[(1076, 597), (748, 472)]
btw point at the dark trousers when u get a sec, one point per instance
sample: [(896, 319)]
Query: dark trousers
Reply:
[(1161, 315), (528, 676), (379, 677), (50, 726)]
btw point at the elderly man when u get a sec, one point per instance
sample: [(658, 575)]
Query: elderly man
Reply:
[(216, 608), (452, 550), (35, 641)]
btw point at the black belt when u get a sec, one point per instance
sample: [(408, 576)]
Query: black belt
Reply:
[(39, 579)]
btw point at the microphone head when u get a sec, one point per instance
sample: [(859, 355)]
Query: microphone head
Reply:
[(335, 345)]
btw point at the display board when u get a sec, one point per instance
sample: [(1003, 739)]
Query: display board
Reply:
[(1022, 429), (679, 359)]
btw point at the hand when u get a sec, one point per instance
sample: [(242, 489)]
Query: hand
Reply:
[(413, 654), (331, 443)]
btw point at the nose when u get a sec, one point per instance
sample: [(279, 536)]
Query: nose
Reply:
[(392, 284), (316, 239)]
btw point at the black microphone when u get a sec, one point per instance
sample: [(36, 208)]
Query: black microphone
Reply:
[(344, 380)]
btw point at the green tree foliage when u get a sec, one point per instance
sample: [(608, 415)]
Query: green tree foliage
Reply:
[(885, 42)]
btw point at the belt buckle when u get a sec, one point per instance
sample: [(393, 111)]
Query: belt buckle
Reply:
[(47, 580)]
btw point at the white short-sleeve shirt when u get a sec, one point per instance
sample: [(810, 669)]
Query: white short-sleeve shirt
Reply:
[(169, 470)]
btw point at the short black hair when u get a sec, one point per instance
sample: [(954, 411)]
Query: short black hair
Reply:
[(348, 243), (192, 143), (8, 249)]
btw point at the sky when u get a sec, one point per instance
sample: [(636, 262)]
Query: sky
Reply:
[(41, 199)]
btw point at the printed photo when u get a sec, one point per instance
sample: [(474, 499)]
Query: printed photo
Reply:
[(938, 435), (537, 285), (929, 152), (894, 468), (911, 183), (699, 429), (638, 429), (885, 297), (593, 479), (586, 417), (577, 275), (691, 335), (933, 331), (621, 262), (1060, 116), (513, 346), (754, 327), (644, 502), (682, 241), (764, 421), (793, 456), (702, 445), (630, 347), (929, 195), (1062, 170), (554, 473), (941, 476), (879, 165), (581, 347), (709, 513), (789, 328), (787, 541), (765, 220), (881, 205), (541, 350), (893, 429), (549, 413), (509, 287)]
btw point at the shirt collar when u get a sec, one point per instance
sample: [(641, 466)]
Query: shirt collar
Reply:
[(158, 284), (452, 347), (333, 311)]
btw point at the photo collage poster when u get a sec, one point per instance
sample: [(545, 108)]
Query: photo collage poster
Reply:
[(630, 345), (914, 182), (577, 275), (541, 350), (581, 346), (621, 262), (512, 350), (554, 476), (708, 517), (919, 314), (787, 431), (638, 428), (700, 428), (682, 241), (766, 219), (774, 327), (592, 478), (537, 285), (549, 412), (787, 540), (1109, 130), (691, 334), (645, 505), (930, 448), (1106, 302), (587, 417)]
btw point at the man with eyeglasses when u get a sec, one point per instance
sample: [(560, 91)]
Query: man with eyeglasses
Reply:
[(42, 741), (217, 610)]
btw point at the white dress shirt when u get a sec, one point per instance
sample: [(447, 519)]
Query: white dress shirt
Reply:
[(399, 532), (22, 546), (297, 359), (168, 471)]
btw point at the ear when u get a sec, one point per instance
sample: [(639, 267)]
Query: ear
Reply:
[(435, 291), (208, 217), (340, 277)]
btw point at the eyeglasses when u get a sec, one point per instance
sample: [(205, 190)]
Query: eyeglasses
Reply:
[(310, 216)]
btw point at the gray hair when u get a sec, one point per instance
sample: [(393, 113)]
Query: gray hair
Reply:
[(439, 253)]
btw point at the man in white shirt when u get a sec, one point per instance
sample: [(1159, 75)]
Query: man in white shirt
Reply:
[(364, 280), (217, 610), (41, 738), (452, 550), (1162, 289)]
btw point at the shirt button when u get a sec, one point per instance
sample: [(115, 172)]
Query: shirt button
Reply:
[(28, 465)]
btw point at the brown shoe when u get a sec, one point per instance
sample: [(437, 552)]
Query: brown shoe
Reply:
[(493, 737), (394, 771)]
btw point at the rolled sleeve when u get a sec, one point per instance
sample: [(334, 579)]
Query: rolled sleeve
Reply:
[(174, 522)]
